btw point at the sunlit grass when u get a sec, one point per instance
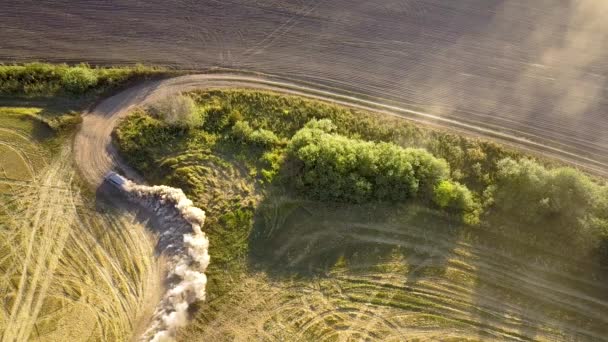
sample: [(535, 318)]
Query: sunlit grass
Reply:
[(68, 271)]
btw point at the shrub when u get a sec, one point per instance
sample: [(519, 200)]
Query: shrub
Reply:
[(242, 132), (263, 137), (42, 79), (532, 193), (177, 110), (218, 118), (340, 168), (78, 80), (324, 125), (456, 197), (272, 162), (561, 201)]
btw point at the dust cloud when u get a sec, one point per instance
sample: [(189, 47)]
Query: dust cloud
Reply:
[(543, 64), (187, 245)]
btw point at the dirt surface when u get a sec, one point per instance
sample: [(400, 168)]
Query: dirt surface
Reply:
[(535, 69)]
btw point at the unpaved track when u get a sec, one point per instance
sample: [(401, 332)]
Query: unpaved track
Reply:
[(95, 155), (534, 68)]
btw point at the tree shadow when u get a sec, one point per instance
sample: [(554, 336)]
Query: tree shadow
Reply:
[(292, 236), (512, 289), (527, 292)]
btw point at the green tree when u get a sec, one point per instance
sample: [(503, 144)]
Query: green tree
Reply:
[(336, 167), (456, 197)]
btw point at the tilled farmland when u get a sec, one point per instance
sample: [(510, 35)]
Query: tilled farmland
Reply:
[(536, 69)]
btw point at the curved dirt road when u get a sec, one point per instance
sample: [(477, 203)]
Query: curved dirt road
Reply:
[(95, 155)]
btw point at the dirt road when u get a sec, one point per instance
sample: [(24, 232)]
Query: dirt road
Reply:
[(95, 155), (535, 69)]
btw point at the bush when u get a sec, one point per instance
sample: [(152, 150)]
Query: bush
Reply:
[(272, 162), (177, 110), (334, 167), (78, 80), (456, 197), (43, 79), (219, 118), (560, 201), (324, 125), (530, 192), (243, 133)]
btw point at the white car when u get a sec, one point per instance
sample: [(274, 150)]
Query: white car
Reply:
[(116, 179)]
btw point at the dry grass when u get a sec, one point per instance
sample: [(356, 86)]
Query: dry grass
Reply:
[(69, 271)]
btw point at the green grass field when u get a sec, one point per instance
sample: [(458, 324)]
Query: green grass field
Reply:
[(285, 267)]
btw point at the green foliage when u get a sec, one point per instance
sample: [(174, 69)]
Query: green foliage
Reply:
[(64, 122), (218, 118), (143, 139), (272, 162), (177, 110), (42, 79), (456, 197), (344, 154), (472, 161), (79, 79), (334, 167), (533, 193), (324, 125), (563, 199), (243, 133)]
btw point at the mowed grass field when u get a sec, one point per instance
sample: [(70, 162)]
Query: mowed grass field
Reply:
[(71, 269), (320, 272)]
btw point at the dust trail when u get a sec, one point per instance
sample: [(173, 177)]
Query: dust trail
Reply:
[(183, 240)]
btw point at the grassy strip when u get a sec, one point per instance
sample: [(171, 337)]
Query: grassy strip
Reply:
[(248, 132), (42, 79), (61, 92)]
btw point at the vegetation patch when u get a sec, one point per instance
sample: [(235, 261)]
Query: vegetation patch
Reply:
[(330, 153), (61, 92), (24, 144), (42, 79), (337, 217)]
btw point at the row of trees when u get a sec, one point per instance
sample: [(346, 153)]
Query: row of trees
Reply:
[(335, 167)]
